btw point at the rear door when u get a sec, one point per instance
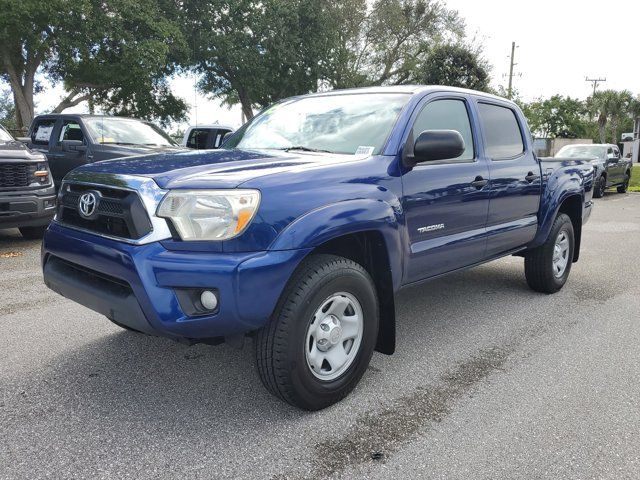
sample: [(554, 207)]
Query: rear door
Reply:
[(617, 166), (42, 133), (515, 177), (445, 202)]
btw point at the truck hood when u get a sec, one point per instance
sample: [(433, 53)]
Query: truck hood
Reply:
[(213, 168), (138, 150), (15, 150)]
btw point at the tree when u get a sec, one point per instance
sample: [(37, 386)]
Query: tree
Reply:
[(256, 52), (455, 65), (610, 106), (557, 117), (386, 43), (7, 111), (115, 54)]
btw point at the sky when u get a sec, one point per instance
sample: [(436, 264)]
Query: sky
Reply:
[(560, 42)]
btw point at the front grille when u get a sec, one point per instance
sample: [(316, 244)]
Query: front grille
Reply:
[(16, 174), (119, 213)]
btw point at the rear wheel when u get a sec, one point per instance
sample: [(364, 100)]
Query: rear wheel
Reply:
[(547, 267), (33, 233), (625, 185), (601, 186), (320, 340)]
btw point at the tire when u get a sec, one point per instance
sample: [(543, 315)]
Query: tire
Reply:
[(625, 185), (540, 271), (33, 233), (601, 186), (321, 284)]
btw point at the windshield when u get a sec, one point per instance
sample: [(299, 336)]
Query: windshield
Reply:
[(126, 131), (4, 135), (348, 124), (582, 151)]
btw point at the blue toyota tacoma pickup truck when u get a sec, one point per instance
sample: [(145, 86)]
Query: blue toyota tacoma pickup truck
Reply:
[(303, 227)]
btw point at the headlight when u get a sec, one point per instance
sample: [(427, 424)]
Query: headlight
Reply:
[(209, 214)]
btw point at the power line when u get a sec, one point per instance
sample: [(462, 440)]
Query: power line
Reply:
[(511, 74), (595, 82), (511, 65)]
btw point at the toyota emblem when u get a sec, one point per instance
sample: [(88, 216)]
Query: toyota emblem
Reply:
[(88, 204)]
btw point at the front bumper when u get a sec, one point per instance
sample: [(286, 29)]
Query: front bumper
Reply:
[(135, 285), (27, 208)]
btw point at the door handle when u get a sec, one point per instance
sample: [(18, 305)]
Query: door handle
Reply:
[(479, 182), (531, 177)]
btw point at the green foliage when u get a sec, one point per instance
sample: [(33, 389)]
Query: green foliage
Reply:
[(257, 52), (557, 117), (387, 43), (602, 117), (7, 111), (455, 65), (115, 54)]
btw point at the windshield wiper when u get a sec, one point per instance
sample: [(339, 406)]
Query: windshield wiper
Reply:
[(304, 149), (121, 143)]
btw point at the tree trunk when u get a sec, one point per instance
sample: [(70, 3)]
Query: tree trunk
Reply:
[(22, 90), (245, 101), (614, 130), (602, 122), (71, 100)]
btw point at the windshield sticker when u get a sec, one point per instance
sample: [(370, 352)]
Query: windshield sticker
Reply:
[(365, 151)]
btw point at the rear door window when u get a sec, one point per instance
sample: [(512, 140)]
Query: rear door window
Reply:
[(503, 138), (198, 139), (42, 131), (219, 137)]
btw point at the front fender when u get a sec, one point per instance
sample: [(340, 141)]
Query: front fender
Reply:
[(343, 218)]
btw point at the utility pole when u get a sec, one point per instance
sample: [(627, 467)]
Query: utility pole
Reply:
[(595, 81), (511, 65)]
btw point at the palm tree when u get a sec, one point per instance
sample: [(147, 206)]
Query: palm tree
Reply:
[(599, 105), (620, 106), (610, 106)]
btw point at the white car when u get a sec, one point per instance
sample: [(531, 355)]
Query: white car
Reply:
[(205, 137), (627, 137)]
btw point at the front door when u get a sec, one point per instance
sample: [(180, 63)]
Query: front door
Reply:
[(63, 159), (515, 179), (446, 201)]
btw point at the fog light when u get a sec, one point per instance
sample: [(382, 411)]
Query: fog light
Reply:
[(209, 300)]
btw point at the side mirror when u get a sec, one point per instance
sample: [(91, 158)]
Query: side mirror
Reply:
[(434, 145), (74, 146), (25, 140)]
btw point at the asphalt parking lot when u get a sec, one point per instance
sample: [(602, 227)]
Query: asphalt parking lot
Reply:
[(490, 380)]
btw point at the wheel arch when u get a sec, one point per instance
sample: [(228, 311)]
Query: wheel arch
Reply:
[(572, 207), (366, 231), (369, 249)]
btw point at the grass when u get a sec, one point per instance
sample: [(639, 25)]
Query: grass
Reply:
[(634, 184)]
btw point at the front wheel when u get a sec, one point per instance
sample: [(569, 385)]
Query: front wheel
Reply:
[(547, 267), (601, 186), (625, 185), (33, 233), (320, 339)]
